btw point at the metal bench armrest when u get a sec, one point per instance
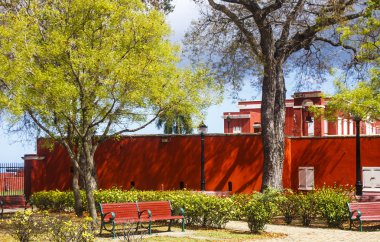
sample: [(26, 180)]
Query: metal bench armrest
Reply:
[(359, 214), (179, 211), (113, 216), (145, 211)]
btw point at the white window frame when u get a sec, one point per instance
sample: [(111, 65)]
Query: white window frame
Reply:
[(339, 123), (310, 127), (306, 178), (345, 128), (236, 130), (326, 127), (370, 171)]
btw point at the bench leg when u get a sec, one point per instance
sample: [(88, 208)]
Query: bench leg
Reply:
[(361, 225), (101, 228), (150, 227), (113, 230), (350, 224), (170, 225), (183, 224), (137, 227)]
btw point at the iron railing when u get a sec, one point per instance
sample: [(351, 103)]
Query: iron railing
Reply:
[(11, 179)]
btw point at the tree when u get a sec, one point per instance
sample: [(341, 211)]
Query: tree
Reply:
[(248, 38), (85, 71), (175, 123), (162, 5), (363, 102)]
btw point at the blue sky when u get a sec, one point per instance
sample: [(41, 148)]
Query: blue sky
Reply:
[(12, 148)]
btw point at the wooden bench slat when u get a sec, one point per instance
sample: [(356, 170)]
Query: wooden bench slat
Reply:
[(369, 211), (136, 212)]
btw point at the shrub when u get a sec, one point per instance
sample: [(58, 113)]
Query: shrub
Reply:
[(24, 226), (288, 206), (331, 204), (272, 199), (63, 229), (200, 209), (307, 206), (261, 208), (218, 211), (239, 201), (257, 215), (39, 226), (56, 201)]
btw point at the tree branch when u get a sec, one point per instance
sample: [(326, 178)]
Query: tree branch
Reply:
[(289, 20), (271, 8), (102, 139), (305, 38), (336, 44), (255, 47)]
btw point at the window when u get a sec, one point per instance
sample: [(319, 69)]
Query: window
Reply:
[(256, 127), (310, 127), (326, 127), (305, 178), (371, 179), (345, 127), (339, 126), (237, 130), (351, 127)]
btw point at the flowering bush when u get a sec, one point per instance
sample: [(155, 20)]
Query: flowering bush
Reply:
[(332, 204), (40, 226), (24, 225), (261, 208)]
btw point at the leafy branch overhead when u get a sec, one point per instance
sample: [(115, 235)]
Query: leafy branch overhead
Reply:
[(85, 71), (238, 36), (362, 102), (261, 42)]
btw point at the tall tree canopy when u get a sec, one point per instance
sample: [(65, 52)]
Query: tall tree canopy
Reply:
[(175, 122), (363, 101), (164, 5), (88, 70), (257, 39)]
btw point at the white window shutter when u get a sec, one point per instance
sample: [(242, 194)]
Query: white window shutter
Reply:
[(301, 178), (305, 178), (367, 174), (371, 179), (310, 178), (376, 177)]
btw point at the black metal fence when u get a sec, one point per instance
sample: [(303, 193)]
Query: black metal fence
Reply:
[(12, 179)]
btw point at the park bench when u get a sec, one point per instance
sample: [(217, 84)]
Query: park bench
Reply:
[(363, 211), (137, 212), (160, 211), (119, 213), (12, 202)]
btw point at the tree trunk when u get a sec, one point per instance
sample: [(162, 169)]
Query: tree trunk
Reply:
[(273, 122), (78, 205), (91, 206), (90, 181), (90, 165)]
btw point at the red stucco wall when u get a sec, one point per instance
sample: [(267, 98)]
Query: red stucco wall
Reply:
[(153, 164), (333, 159)]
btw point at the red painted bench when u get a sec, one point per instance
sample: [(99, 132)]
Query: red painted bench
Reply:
[(11, 202), (160, 211), (363, 211), (137, 212), (119, 213)]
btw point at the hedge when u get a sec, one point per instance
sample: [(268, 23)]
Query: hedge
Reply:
[(328, 203)]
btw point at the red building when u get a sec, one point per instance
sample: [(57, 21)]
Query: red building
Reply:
[(298, 120)]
